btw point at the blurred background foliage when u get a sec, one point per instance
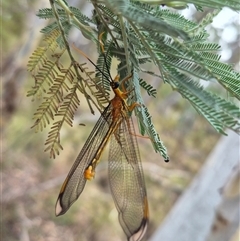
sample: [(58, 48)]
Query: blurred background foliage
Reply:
[(31, 181)]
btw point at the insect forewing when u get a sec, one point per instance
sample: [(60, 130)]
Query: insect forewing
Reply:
[(75, 181), (127, 181)]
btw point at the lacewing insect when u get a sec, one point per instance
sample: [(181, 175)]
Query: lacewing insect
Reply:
[(125, 173)]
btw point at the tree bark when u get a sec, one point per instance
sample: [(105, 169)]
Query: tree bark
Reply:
[(193, 215)]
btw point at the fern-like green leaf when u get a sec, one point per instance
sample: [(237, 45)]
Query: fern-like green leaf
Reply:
[(66, 113), (37, 58), (145, 121), (135, 32), (144, 19), (234, 4), (149, 88)]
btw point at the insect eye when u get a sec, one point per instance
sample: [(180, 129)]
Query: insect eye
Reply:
[(115, 85)]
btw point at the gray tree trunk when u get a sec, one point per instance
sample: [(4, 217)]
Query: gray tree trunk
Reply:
[(192, 217)]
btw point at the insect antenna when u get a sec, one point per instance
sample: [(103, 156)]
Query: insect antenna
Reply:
[(104, 56), (83, 54)]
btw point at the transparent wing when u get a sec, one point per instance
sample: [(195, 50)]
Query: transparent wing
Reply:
[(75, 181), (127, 181)]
